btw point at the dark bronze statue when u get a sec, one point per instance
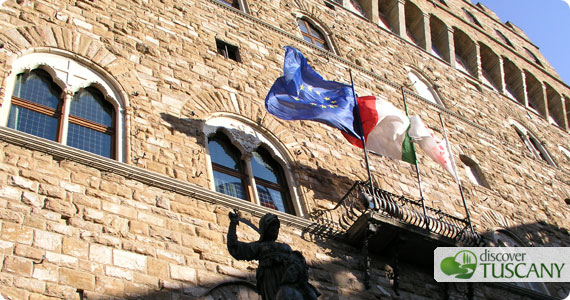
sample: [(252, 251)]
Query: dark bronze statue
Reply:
[(282, 273)]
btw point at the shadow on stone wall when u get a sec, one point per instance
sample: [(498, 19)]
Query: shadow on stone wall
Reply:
[(338, 268)]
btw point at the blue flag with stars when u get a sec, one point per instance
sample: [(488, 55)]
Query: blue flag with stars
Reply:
[(302, 94)]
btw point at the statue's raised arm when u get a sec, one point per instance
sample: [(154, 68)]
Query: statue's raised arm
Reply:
[(275, 261)]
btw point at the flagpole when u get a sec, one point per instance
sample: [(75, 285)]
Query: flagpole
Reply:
[(359, 121), (417, 166), (456, 175)]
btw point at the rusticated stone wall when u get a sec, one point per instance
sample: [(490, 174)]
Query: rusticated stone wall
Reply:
[(72, 228)]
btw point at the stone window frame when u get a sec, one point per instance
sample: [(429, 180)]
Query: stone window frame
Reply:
[(319, 26), (240, 5), (534, 145), (72, 74), (311, 26), (472, 19), (509, 240), (427, 86), (247, 137), (474, 172)]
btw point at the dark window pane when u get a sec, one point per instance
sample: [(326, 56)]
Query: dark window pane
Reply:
[(90, 104), (271, 198), (90, 140), (229, 185), (264, 166), (223, 153), (37, 87), (32, 122)]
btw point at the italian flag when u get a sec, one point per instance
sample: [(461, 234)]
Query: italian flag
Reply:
[(389, 132)]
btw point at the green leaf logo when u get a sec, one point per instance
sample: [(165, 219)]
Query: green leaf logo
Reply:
[(462, 265)]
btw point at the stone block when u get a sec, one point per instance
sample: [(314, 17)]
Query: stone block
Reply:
[(47, 240), (29, 252), (183, 273), (129, 260), (46, 272), (17, 265), (118, 272), (29, 284), (75, 247), (157, 268), (61, 259), (101, 254), (77, 279)]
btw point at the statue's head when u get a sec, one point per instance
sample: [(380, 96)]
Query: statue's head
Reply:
[(268, 228)]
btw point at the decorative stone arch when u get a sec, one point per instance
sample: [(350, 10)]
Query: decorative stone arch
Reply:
[(320, 26), (87, 52), (423, 86), (248, 136), (533, 144)]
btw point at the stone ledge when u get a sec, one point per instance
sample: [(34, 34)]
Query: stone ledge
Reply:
[(63, 152)]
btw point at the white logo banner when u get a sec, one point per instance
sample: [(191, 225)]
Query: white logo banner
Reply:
[(502, 264)]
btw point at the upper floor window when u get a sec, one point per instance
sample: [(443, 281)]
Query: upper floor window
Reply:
[(471, 18), (423, 88), (533, 144), (230, 177), (246, 165), (232, 3), (473, 171), (64, 101), (504, 38), (532, 57), (312, 35)]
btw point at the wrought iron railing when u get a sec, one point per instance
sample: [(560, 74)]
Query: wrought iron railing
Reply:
[(358, 200)]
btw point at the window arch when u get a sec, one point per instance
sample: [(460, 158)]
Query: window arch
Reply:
[(312, 35), (246, 164), (474, 172), (507, 239), (471, 17), (423, 88), (60, 99), (237, 4), (533, 144)]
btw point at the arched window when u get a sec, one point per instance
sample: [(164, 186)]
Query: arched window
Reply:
[(270, 181), (533, 144), (62, 100), (36, 105), (471, 17), (312, 35), (246, 164), (227, 166), (505, 238), (474, 172), (532, 57), (92, 123), (423, 88), (232, 3), (504, 38)]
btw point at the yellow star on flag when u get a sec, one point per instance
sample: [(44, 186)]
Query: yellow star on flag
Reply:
[(310, 88), (327, 98), (302, 87), (323, 106)]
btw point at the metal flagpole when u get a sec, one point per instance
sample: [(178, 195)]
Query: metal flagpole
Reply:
[(456, 175), (417, 166), (359, 121)]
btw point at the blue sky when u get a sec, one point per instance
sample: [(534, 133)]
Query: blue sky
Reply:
[(545, 22)]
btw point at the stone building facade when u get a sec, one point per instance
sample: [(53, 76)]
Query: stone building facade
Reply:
[(112, 186)]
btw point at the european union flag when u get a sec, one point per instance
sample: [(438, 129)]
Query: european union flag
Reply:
[(302, 94)]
